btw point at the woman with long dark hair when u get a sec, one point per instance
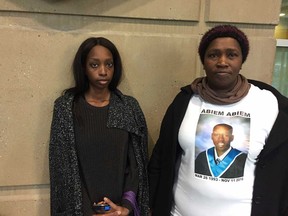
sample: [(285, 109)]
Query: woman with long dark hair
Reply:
[(98, 144)]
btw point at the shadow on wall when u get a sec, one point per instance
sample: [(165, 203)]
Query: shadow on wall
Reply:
[(72, 14)]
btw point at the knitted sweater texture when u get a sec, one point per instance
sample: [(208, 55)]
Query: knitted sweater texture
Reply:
[(65, 185)]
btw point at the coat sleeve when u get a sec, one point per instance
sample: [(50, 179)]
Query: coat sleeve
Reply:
[(64, 187), (155, 165), (131, 176), (140, 149), (54, 159), (161, 167)]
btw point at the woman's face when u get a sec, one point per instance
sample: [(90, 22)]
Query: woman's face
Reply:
[(222, 63), (99, 67)]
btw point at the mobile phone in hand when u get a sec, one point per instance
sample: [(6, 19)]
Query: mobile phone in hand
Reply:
[(101, 208)]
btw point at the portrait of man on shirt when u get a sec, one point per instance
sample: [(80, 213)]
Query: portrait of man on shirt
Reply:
[(221, 160)]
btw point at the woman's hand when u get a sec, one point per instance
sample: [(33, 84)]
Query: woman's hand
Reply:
[(115, 209)]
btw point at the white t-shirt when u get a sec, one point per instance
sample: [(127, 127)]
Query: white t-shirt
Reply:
[(197, 194)]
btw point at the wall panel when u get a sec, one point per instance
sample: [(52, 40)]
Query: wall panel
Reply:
[(245, 11), (148, 9)]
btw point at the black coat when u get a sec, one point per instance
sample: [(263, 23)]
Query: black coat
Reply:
[(270, 193)]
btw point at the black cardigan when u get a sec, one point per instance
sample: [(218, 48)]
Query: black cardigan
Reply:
[(270, 193)]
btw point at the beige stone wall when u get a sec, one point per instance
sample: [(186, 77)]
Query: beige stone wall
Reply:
[(158, 43)]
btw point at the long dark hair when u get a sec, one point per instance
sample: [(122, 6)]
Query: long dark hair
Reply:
[(79, 65)]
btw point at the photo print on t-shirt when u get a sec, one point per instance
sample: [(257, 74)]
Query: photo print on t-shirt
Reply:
[(221, 144)]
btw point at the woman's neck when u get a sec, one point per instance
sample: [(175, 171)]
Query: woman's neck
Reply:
[(98, 98)]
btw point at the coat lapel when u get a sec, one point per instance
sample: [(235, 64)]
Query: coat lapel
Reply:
[(121, 115)]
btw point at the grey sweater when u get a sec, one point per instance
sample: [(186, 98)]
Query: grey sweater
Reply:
[(124, 113)]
